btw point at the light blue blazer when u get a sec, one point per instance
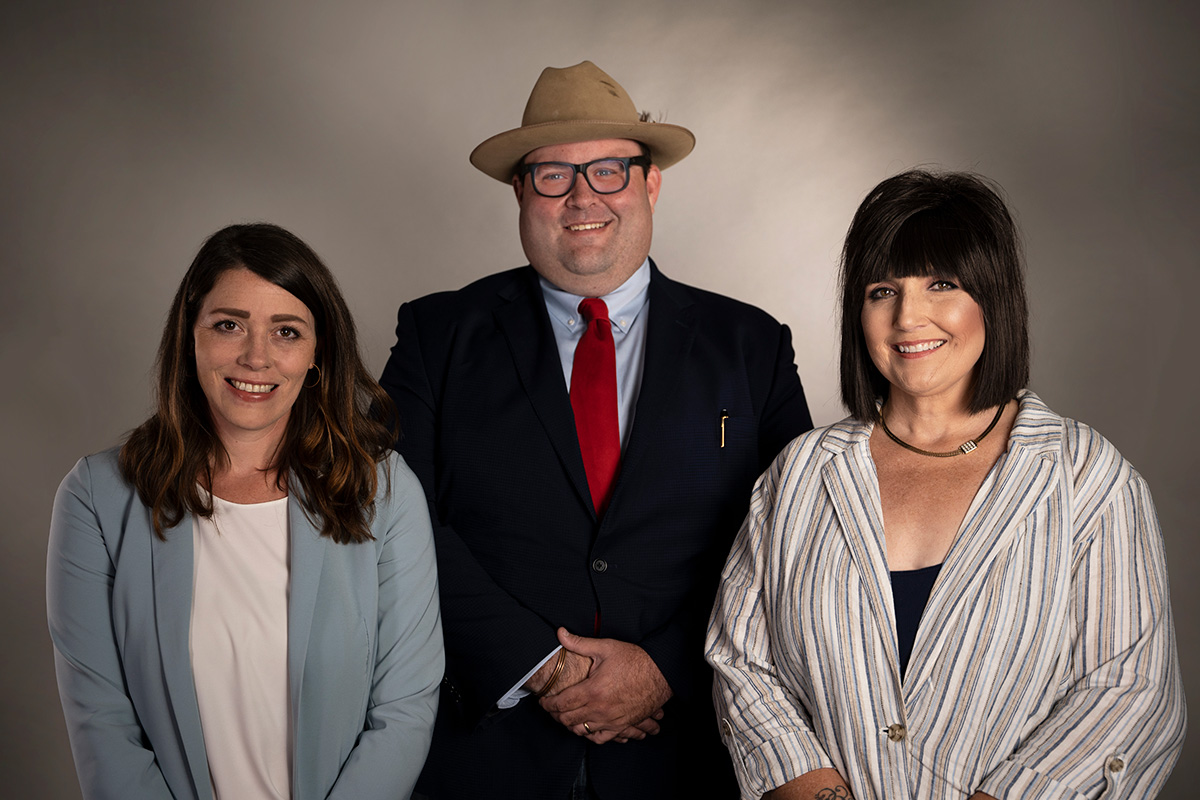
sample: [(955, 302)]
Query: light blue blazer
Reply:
[(364, 645)]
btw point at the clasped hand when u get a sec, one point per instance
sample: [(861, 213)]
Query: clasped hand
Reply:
[(617, 698)]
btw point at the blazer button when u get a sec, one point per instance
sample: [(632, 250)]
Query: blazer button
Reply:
[(897, 732), (599, 565)]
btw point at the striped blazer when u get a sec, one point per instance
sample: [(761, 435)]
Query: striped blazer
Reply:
[(1044, 665)]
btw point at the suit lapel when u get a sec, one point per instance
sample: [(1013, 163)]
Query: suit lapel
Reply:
[(304, 565), (669, 338), (173, 577), (525, 324)]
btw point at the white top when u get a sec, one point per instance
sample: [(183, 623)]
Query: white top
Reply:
[(239, 647)]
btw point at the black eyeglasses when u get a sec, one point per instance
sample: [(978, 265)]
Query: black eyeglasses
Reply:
[(604, 175)]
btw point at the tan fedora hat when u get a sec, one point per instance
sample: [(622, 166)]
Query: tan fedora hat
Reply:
[(578, 104)]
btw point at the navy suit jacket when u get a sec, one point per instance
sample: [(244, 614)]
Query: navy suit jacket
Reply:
[(487, 426)]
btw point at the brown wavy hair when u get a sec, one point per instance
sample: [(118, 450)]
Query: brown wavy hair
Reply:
[(338, 431)]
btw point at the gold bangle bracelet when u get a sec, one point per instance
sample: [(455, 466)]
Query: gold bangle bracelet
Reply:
[(558, 668)]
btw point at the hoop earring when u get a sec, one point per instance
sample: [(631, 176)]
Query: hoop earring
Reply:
[(318, 383)]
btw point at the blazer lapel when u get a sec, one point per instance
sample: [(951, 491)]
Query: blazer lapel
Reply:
[(1019, 482), (851, 483), (305, 561), (526, 326), (173, 577), (669, 338)]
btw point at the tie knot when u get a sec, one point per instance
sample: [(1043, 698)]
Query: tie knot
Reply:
[(593, 308)]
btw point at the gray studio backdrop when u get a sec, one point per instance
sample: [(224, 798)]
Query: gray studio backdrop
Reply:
[(130, 131)]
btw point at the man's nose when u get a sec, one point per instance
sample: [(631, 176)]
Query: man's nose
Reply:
[(581, 193)]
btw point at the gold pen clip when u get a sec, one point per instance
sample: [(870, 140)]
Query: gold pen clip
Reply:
[(724, 416)]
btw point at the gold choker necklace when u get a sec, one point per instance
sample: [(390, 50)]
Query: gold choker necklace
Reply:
[(963, 448)]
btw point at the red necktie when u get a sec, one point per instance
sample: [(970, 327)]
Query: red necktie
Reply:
[(594, 400)]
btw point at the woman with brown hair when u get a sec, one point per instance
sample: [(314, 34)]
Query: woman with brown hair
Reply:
[(243, 597)]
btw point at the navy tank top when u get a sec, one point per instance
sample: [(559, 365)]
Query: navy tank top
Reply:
[(910, 594)]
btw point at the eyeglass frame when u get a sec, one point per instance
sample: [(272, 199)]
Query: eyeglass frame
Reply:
[(642, 161)]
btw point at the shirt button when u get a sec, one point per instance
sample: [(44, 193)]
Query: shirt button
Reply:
[(599, 565), (726, 727), (897, 732), (1116, 765)]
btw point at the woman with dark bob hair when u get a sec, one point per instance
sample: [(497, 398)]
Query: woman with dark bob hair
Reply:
[(954, 592), (243, 598)]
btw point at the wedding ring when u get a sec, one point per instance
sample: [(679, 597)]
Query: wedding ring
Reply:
[(586, 728)]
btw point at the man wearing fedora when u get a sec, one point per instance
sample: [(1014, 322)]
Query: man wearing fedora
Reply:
[(588, 432)]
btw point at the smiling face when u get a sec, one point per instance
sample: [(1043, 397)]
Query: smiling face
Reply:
[(587, 243), (925, 336), (255, 343)]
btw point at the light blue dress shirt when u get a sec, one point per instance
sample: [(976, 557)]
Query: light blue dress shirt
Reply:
[(627, 311)]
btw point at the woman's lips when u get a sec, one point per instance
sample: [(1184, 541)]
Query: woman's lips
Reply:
[(918, 349), (251, 388)]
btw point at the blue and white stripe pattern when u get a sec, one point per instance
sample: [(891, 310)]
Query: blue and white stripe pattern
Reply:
[(1044, 665)]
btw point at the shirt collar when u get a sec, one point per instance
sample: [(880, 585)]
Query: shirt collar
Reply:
[(624, 303)]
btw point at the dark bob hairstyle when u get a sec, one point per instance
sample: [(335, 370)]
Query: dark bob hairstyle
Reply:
[(953, 225), (334, 438)]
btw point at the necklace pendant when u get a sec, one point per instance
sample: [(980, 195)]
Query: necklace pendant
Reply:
[(967, 447)]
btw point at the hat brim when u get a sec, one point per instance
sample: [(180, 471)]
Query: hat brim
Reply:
[(498, 156)]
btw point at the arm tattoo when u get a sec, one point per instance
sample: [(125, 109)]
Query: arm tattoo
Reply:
[(834, 793)]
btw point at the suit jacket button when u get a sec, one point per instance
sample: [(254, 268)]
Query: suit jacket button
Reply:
[(599, 565)]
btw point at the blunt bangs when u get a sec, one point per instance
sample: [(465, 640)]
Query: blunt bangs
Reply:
[(925, 247)]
